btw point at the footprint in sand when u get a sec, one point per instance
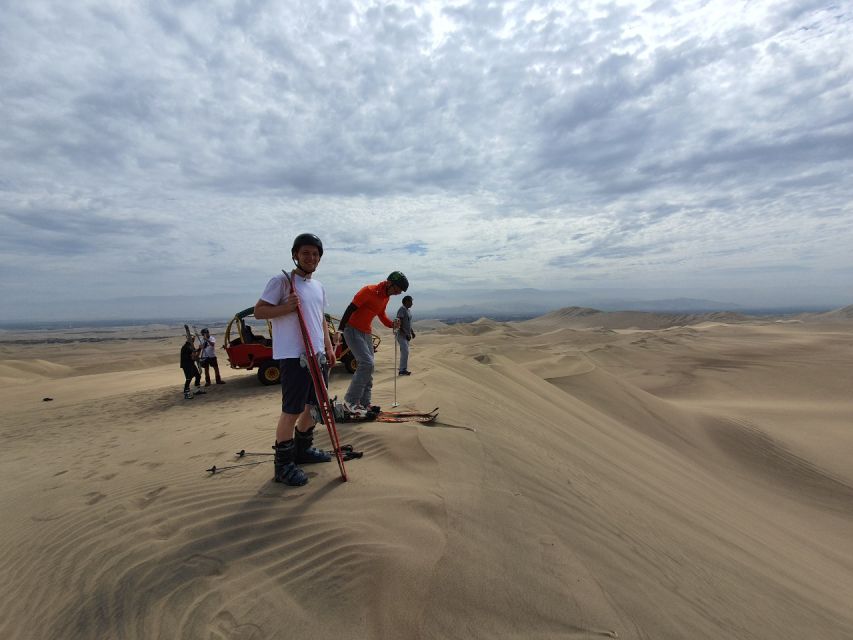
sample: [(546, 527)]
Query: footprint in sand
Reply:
[(94, 497), (150, 497), (225, 626), (202, 565), (46, 517)]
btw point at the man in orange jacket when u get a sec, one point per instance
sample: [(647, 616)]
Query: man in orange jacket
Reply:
[(356, 324)]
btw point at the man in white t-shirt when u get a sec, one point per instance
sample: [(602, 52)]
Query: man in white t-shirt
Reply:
[(294, 435), (207, 357)]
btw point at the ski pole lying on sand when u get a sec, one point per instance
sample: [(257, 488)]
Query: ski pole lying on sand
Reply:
[(347, 452), (214, 468), (325, 405)]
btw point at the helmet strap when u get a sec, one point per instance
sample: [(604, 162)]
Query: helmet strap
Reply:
[(299, 270)]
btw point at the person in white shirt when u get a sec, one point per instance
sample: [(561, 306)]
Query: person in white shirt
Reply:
[(294, 434), (207, 358)]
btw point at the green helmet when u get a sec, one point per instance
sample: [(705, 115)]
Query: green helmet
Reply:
[(397, 277)]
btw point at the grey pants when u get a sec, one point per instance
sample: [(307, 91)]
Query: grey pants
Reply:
[(404, 351), (361, 386)]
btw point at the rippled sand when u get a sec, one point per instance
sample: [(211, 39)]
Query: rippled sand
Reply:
[(616, 476)]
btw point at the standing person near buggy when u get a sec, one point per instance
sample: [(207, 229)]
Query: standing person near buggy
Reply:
[(189, 354), (368, 303), (208, 357), (294, 434), (405, 334)]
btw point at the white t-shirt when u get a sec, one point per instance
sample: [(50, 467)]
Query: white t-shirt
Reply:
[(286, 336), (210, 350)]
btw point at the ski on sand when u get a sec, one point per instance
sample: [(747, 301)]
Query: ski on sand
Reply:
[(393, 416), (325, 406), (406, 416)]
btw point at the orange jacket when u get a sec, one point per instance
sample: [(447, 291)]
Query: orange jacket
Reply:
[(371, 301)]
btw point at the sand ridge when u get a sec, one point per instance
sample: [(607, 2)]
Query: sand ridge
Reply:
[(619, 479)]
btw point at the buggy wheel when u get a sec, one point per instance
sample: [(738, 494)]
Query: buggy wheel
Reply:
[(269, 373), (350, 363)]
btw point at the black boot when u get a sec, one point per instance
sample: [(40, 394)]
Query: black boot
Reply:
[(305, 453), (286, 470)]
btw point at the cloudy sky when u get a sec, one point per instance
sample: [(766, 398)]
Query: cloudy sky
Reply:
[(169, 152)]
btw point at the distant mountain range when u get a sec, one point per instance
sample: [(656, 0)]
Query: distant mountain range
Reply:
[(844, 314), (529, 303), (581, 317), (588, 318), (452, 305)]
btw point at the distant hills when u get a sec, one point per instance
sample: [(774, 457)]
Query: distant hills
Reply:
[(517, 304), (588, 318), (582, 317), (528, 303), (845, 314), (675, 305), (447, 304)]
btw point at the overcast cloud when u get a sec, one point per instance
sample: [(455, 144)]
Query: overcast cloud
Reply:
[(667, 148)]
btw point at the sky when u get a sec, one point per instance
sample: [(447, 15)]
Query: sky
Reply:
[(159, 157)]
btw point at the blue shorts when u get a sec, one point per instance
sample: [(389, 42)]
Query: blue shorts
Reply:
[(297, 388)]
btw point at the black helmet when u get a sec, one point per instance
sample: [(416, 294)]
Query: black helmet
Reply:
[(397, 277), (307, 238)]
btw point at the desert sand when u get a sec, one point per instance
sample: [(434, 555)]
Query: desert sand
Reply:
[(590, 475)]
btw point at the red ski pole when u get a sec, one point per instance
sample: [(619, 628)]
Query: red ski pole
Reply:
[(325, 406)]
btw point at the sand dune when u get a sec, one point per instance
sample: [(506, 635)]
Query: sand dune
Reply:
[(25, 370), (581, 317), (844, 315), (590, 476)]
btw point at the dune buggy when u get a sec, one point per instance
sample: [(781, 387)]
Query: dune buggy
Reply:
[(248, 346)]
